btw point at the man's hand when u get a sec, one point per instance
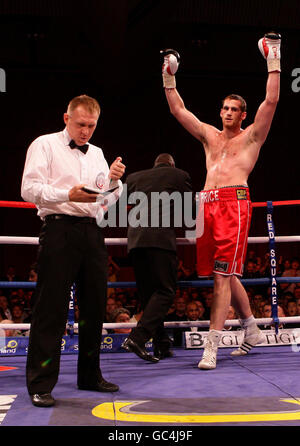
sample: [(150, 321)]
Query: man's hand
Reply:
[(79, 195), (117, 169), (269, 47), (170, 67)]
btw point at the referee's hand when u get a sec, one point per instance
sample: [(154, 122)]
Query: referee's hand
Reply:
[(79, 195), (117, 169)]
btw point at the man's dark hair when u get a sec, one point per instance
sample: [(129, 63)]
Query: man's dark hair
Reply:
[(239, 98)]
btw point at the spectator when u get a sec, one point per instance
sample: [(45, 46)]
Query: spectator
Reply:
[(121, 315), (257, 303), (193, 314), (122, 296), (250, 271), (258, 265), (208, 302), (201, 309), (119, 302), (172, 307), (185, 295), (291, 309), (250, 292), (283, 265), (185, 272), (114, 266), (2, 314), (297, 292), (138, 314), (298, 306), (195, 311), (182, 271), (253, 271), (15, 298), (194, 294), (294, 271), (29, 297), (18, 314), (111, 306), (5, 307), (7, 332), (132, 304), (251, 256), (113, 270), (265, 266), (267, 313), (286, 298), (10, 275), (179, 314), (32, 275)]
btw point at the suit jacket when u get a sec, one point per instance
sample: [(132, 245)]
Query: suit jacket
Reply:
[(161, 178)]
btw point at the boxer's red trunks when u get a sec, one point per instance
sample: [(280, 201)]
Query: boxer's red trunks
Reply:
[(223, 223)]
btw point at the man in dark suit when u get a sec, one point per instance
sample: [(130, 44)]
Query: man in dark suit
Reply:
[(152, 249)]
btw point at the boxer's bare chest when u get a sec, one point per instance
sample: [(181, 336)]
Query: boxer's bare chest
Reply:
[(227, 161)]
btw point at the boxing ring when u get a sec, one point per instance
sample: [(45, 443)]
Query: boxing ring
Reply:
[(259, 389)]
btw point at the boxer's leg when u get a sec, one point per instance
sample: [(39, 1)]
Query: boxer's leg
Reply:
[(240, 302)]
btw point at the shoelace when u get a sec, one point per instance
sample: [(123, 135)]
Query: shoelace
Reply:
[(209, 352)]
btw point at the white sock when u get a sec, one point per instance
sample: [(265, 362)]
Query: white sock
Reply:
[(248, 322), (214, 336)]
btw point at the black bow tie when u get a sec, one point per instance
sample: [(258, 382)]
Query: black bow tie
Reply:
[(83, 148)]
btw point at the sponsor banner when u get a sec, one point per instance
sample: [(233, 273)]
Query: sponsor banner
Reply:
[(231, 338), (69, 345)]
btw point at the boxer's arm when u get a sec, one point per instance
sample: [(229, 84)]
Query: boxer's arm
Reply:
[(187, 119), (270, 49), (176, 104), (266, 110)]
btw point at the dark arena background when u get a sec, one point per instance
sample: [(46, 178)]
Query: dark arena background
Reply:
[(55, 50)]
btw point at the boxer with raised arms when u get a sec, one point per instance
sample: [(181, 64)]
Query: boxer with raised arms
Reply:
[(225, 208)]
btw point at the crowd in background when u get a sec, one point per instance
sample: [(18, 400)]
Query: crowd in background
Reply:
[(190, 303)]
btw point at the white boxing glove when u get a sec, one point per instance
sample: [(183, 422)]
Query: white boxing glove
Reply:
[(269, 47), (170, 67)]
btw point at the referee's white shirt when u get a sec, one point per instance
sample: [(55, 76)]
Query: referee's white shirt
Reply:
[(52, 168)]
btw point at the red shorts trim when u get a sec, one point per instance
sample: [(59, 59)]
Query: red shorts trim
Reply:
[(223, 224)]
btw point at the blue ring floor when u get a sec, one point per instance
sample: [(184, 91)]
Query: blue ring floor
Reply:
[(264, 384)]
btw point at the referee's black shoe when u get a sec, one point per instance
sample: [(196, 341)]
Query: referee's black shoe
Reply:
[(42, 399), (132, 346)]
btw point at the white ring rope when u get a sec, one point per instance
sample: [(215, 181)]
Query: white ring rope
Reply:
[(7, 240), (12, 240), (177, 324)]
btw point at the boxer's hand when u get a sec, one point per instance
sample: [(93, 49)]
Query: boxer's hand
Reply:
[(79, 195), (170, 67), (269, 47), (117, 169)]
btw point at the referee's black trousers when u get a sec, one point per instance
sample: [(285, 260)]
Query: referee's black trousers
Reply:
[(72, 250)]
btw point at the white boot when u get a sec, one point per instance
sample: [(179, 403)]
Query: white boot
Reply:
[(252, 336), (209, 358)]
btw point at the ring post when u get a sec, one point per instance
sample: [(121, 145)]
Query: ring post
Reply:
[(273, 264), (71, 313)]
